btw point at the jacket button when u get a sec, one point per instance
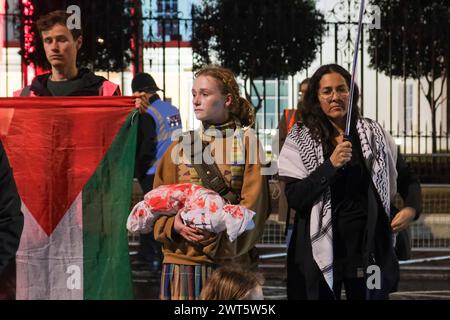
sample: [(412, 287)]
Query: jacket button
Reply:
[(323, 180)]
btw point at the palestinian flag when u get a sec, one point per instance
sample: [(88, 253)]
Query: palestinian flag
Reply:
[(73, 162)]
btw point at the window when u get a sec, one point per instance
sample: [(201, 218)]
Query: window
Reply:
[(9, 31), (167, 20), (276, 100), (168, 24)]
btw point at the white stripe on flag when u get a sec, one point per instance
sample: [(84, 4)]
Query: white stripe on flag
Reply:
[(51, 267)]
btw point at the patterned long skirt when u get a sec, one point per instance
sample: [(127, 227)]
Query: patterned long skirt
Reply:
[(183, 282)]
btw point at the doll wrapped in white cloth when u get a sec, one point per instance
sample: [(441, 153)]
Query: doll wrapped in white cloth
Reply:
[(199, 207)]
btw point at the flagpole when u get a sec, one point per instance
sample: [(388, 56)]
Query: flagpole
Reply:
[(354, 66)]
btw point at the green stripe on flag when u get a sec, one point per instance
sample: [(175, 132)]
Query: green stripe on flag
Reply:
[(106, 205)]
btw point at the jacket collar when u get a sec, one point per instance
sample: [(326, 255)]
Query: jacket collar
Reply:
[(91, 84)]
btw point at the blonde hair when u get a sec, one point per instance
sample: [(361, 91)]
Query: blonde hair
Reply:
[(240, 109), (231, 283)]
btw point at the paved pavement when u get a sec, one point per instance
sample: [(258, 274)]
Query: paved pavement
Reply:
[(419, 281)]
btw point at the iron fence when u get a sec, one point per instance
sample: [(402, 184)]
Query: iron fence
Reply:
[(398, 104), (430, 232)]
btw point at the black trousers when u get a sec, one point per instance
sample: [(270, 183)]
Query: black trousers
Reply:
[(146, 183), (316, 287), (8, 282), (298, 288), (355, 288)]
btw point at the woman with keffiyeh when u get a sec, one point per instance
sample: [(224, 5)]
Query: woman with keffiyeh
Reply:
[(190, 254), (342, 191)]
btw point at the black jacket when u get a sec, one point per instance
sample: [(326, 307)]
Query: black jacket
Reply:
[(91, 84), (11, 218), (301, 195), (146, 143)]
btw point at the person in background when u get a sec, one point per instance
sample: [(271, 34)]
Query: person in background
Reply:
[(11, 225), (287, 121), (292, 116), (154, 137)]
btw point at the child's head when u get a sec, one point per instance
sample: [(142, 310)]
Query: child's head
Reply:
[(233, 283)]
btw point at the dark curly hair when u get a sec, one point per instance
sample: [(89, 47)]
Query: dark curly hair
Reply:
[(313, 116)]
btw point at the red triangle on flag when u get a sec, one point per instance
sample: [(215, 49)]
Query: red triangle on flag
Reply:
[(54, 146)]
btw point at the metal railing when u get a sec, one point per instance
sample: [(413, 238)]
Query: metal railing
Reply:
[(406, 119), (430, 232)]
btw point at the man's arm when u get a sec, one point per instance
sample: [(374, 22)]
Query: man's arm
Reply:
[(408, 185), (11, 219)]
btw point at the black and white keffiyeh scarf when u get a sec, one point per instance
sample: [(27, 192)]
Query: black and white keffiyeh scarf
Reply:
[(301, 155)]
